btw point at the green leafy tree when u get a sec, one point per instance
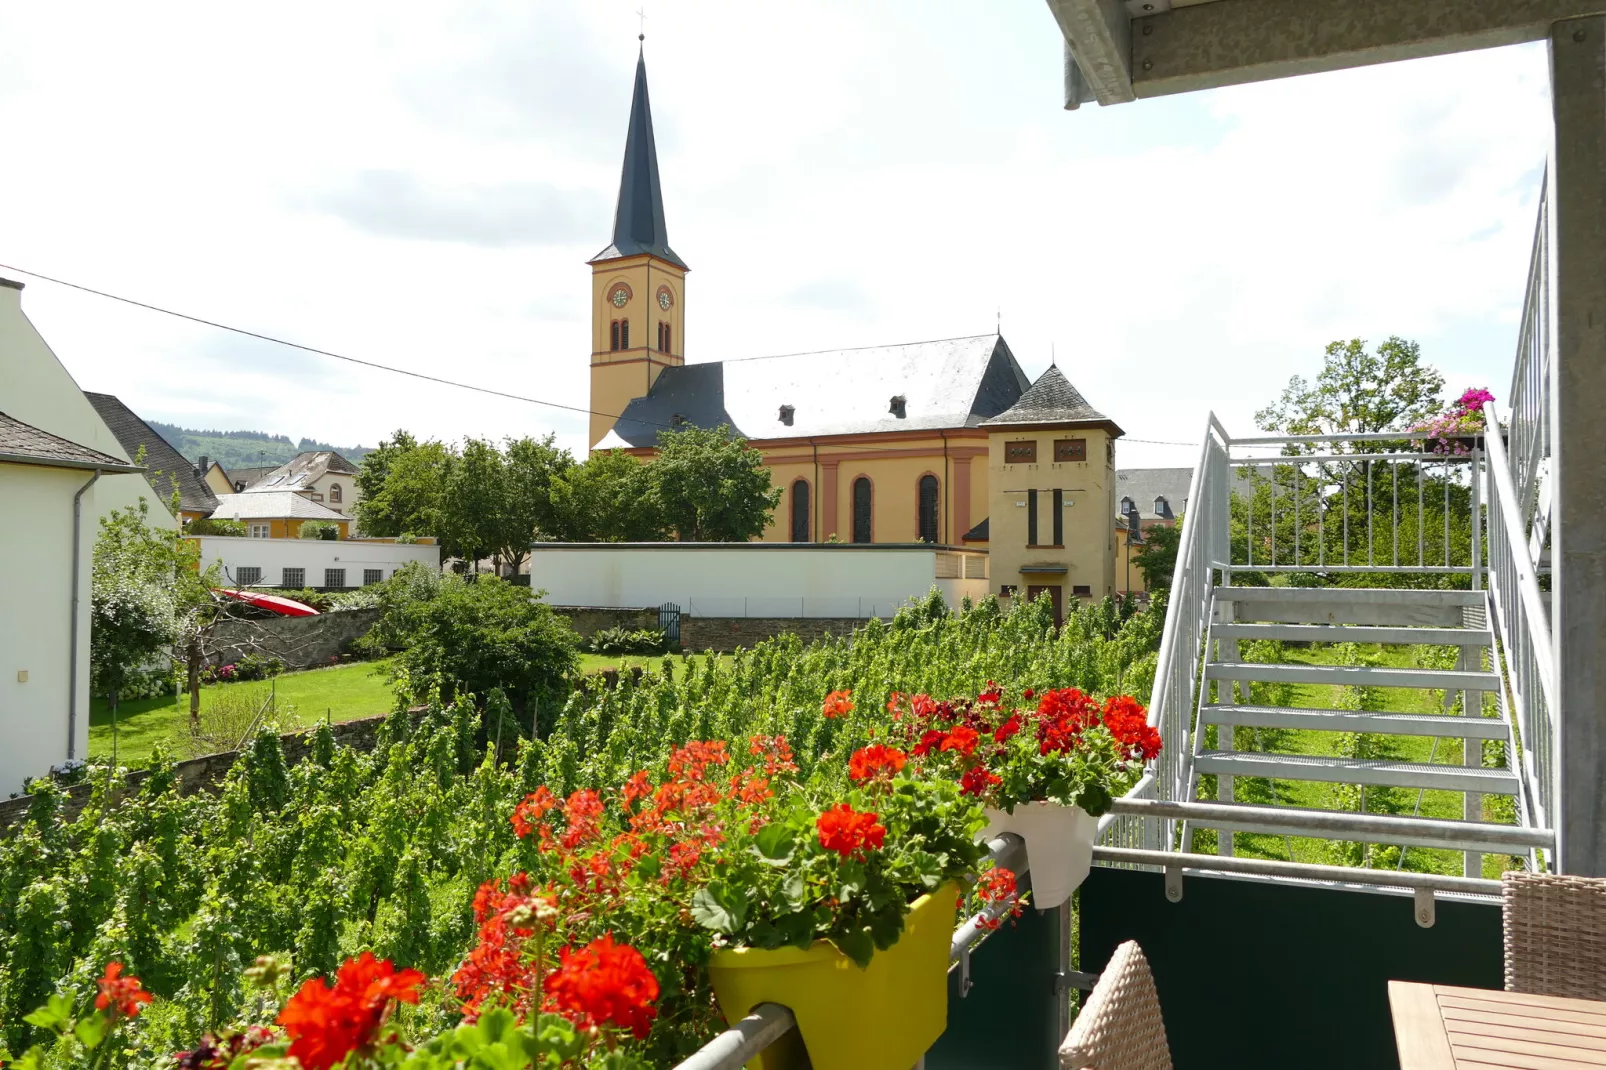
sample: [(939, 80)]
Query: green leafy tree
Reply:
[(1158, 558), (484, 633), (474, 508), (138, 597), (609, 498), (713, 486), (533, 471), (327, 530), (211, 526), (402, 483), (1358, 392)]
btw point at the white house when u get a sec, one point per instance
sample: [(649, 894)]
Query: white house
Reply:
[(321, 475), (36, 389), (330, 564), (47, 542), (756, 579)]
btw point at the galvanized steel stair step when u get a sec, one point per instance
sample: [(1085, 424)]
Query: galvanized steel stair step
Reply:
[(1253, 818), (1351, 675), (1400, 635), (1350, 595), (1441, 726), (1355, 605), (1368, 771)]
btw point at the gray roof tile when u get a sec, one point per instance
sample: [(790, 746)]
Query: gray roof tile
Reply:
[(22, 443), (1052, 399), (303, 470), (164, 465), (951, 383), (1144, 485), (271, 505)]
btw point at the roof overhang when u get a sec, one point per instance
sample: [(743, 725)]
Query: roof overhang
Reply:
[(104, 468), (1044, 569), (1121, 50)]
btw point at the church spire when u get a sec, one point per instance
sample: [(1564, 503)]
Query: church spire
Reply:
[(638, 222)]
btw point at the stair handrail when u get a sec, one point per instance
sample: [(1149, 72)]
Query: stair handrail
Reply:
[(1524, 629), (1200, 551)]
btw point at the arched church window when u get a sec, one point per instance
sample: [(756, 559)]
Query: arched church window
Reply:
[(928, 509), (613, 340), (624, 334), (861, 509), (800, 511)]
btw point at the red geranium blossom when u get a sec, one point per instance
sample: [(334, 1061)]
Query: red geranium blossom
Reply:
[(122, 996), (930, 740), (530, 810), (838, 704), (327, 1024), (962, 739), (1125, 719), (875, 762), (1007, 729), (996, 887), (605, 982), (976, 781), (848, 832)]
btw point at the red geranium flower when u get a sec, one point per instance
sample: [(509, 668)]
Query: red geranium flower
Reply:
[(327, 1024), (962, 739), (1007, 729), (976, 781), (530, 810), (930, 741), (122, 996), (875, 762), (605, 982), (848, 832), (838, 704)]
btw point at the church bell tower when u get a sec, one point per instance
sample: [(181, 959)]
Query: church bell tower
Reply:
[(638, 283)]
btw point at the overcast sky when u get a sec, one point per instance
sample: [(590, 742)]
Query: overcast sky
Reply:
[(421, 185)]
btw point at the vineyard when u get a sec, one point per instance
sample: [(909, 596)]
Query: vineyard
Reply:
[(394, 851)]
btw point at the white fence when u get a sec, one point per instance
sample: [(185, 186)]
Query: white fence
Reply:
[(353, 562), (755, 579)]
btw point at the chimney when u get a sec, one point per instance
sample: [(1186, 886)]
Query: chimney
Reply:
[(201, 467)]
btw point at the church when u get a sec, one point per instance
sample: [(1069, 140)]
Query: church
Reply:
[(943, 442)]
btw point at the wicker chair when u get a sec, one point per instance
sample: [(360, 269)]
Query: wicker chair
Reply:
[(1120, 1027), (1555, 934)]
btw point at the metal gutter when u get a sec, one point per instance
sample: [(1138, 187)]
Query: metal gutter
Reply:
[(72, 621)]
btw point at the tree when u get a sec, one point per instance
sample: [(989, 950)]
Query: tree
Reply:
[(327, 530), (713, 486), (535, 467), (134, 599), (1358, 392), (214, 526), (473, 506), (472, 635), (609, 498), (401, 483), (1158, 558)]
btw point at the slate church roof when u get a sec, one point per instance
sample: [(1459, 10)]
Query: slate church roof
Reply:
[(164, 465), (952, 383), (1052, 400), (638, 222)]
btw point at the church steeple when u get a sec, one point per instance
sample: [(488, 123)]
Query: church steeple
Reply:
[(638, 222), (638, 283)]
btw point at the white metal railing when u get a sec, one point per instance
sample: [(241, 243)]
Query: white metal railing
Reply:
[(1202, 551), (1530, 441), (1523, 627), (1339, 503)]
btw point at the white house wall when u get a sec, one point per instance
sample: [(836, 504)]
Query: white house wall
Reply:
[(273, 556), (36, 388), (36, 621), (747, 579)]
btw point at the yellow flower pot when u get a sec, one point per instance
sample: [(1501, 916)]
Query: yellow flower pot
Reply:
[(883, 1017)]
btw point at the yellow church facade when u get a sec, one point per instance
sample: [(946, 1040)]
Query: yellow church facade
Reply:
[(880, 444)]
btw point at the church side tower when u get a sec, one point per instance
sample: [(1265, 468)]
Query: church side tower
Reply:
[(638, 283)]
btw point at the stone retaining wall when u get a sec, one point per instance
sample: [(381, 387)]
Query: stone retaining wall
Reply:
[(589, 620), (198, 774), (301, 642)]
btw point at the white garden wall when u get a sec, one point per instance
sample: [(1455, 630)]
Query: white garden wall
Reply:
[(755, 579), (313, 557)]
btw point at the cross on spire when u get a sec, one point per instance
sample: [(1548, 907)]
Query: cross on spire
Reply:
[(641, 24)]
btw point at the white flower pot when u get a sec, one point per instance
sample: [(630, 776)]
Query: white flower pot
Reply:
[(1059, 846)]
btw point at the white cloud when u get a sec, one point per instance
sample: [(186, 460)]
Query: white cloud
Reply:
[(422, 187)]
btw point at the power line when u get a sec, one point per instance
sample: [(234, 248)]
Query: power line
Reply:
[(400, 371)]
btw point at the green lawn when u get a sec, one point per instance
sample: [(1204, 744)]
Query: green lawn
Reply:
[(341, 693)]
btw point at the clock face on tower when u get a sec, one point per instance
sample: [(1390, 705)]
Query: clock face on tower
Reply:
[(664, 300), (620, 296)]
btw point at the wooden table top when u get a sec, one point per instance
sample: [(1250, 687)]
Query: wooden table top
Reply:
[(1439, 1027)]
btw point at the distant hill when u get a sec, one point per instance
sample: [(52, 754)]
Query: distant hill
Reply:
[(245, 449)]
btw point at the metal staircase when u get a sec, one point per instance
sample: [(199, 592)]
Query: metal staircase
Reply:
[(1407, 620)]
